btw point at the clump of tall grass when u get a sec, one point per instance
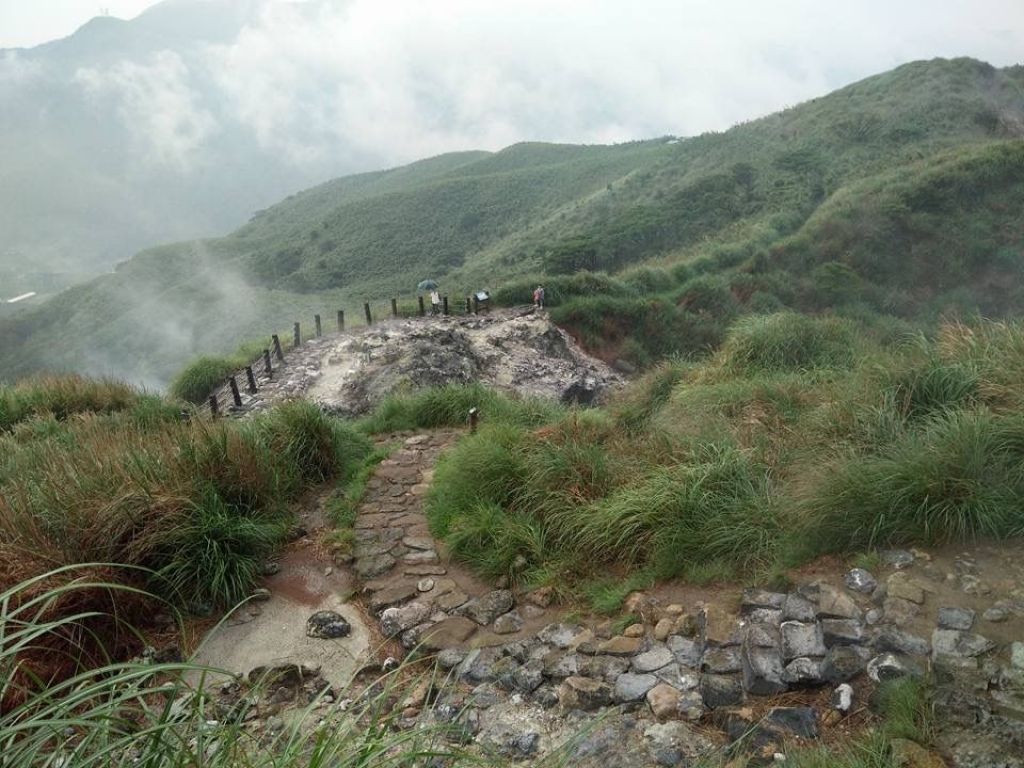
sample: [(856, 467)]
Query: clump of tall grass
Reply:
[(202, 376), (199, 378), (449, 406), (787, 341), (581, 493), (956, 478), (635, 407), (60, 397), (199, 504)]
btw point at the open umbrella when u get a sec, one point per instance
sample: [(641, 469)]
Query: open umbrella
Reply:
[(426, 285)]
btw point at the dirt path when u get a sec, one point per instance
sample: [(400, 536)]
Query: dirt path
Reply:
[(400, 562)]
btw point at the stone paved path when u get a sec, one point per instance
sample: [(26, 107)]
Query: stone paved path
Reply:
[(418, 594)]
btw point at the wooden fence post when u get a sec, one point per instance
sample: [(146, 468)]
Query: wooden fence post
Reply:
[(468, 310), (474, 415), (341, 321), (316, 322), (266, 363), (296, 337), (278, 352), (251, 378), (423, 309), (236, 396), (213, 406), (394, 307), (444, 304), (366, 311)]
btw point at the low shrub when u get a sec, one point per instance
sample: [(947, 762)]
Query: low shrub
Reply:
[(449, 406), (787, 342), (199, 504), (712, 508), (634, 407), (196, 381), (61, 397), (200, 377), (956, 478)]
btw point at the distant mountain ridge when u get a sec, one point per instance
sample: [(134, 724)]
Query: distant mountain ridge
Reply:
[(902, 164)]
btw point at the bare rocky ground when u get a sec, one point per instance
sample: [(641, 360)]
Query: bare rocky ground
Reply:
[(699, 670), (515, 351)]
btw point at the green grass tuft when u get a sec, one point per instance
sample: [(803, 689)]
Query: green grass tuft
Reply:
[(787, 342)]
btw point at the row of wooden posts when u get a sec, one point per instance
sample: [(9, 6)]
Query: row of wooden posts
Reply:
[(473, 306)]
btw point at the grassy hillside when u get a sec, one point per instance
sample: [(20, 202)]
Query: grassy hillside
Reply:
[(895, 195)]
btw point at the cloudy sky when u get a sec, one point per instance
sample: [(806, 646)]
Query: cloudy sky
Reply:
[(446, 74)]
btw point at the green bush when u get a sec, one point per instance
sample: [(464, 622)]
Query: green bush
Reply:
[(714, 507), (648, 281), (449, 406), (198, 503), (635, 407), (956, 478), (196, 381), (60, 397), (708, 294), (787, 342), (200, 377), (213, 556), (559, 289)]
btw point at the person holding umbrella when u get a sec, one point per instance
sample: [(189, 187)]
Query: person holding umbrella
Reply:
[(435, 297)]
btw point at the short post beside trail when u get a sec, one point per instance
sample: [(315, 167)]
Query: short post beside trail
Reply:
[(296, 337), (394, 307), (444, 305), (316, 322), (214, 411), (467, 306), (236, 396), (474, 417), (341, 321), (423, 309), (251, 378), (278, 352), (266, 363), (366, 311)]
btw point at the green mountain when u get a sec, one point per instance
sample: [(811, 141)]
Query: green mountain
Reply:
[(899, 194)]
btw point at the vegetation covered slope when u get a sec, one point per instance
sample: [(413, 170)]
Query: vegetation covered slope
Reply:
[(846, 200), (801, 436)]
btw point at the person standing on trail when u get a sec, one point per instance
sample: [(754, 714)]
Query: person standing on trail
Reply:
[(435, 302), (538, 297)]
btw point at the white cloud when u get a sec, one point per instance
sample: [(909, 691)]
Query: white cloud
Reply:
[(16, 71), (404, 79), (155, 100)]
